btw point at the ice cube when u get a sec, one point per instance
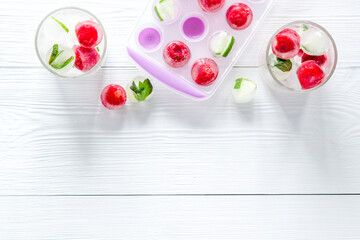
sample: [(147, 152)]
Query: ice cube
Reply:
[(86, 58), (43, 44), (55, 30), (72, 37), (315, 42), (279, 74), (60, 58)]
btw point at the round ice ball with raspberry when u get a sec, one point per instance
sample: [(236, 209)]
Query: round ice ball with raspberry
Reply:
[(177, 54), (211, 5), (205, 71), (315, 42), (89, 33), (85, 58), (310, 74), (320, 60), (113, 97), (286, 44), (239, 16)]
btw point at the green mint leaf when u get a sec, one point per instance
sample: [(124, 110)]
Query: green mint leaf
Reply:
[(305, 27), (63, 64), (134, 88), (284, 65), (54, 53), (61, 24), (142, 91), (98, 49), (148, 88)]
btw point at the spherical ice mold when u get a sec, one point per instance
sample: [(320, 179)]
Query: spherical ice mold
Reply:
[(194, 27)]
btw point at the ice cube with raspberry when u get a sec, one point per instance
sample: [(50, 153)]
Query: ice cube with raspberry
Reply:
[(286, 44), (113, 97), (239, 16), (89, 33), (177, 54), (320, 60), (85, 58), (211, 5), (205, 71), (310, 74)]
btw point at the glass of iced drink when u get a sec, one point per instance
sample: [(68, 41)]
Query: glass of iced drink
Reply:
[(301, 56), (71, 42)]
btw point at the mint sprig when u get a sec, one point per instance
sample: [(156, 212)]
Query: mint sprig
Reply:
[(283, 65), (61, 24), (142, 91)]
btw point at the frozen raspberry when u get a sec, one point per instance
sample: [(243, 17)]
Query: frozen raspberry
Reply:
[(320, 60), (113, 97), (85, 58), (211, 5), (310, 74), (286, 44), (177, 54), (88, 33), (205, 71), (300, 53), (239, 16)]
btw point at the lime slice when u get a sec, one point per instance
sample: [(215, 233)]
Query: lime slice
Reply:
[(229, 47), (158, 13), (221, 44)]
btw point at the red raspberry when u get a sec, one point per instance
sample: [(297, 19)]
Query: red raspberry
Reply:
[(310, 74), (177, 54), (320, 60), (85, 58), (205, 71), (286, 44), (88, 33), (113, 97), (211, 5), (239, 16)]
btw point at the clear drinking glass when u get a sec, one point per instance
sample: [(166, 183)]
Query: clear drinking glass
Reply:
[(290, 80), (72, 59)]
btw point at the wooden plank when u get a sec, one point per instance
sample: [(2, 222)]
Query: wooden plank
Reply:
[(119, 18), (228, 218), (58, 139)]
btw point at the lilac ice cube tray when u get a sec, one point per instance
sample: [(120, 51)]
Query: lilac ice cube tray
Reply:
[(147, 52)]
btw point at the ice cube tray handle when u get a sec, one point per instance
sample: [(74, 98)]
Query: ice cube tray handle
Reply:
[(165, 76)]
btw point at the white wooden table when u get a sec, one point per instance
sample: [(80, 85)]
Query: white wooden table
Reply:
[(286, 166)]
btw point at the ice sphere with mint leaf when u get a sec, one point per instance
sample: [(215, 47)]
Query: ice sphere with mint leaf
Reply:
[(281, 68), (61, 58), (139, 89)]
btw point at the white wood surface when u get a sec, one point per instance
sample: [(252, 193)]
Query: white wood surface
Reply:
[(286, 166), (181, 218)]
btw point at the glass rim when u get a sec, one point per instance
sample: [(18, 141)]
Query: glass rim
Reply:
[(335, 55), (96, 67)]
